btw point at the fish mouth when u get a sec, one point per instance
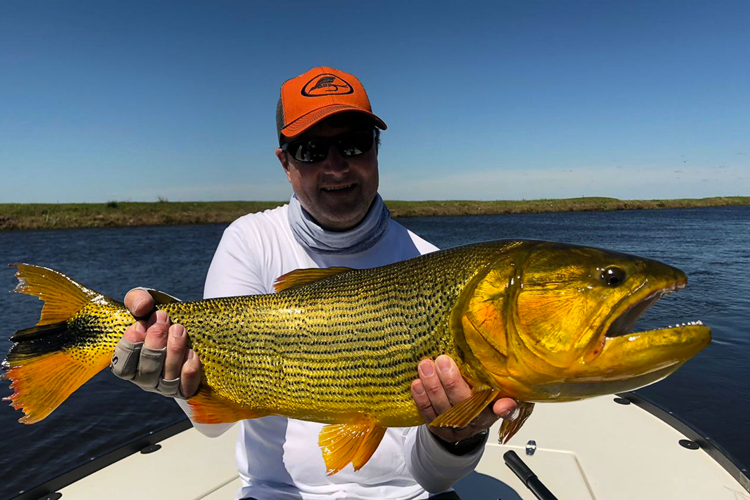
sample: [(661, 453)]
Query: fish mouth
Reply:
[(623, 353), (625, 321), (626, 360)]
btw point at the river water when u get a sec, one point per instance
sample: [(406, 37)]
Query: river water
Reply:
[(711, 245)]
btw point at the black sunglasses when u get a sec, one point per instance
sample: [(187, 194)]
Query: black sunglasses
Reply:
[(348, 145)]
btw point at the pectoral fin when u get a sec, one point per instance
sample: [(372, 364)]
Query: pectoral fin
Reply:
[(508, 429), (353, 443), (467, 410)]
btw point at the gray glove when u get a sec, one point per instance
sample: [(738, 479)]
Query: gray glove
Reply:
[(144, 366)]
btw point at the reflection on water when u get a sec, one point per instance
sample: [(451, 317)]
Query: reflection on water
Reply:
[(710, 245)]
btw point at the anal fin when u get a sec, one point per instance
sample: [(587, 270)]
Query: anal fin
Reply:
[(508, 429), (467, 410), (209, 407), (353, 442)]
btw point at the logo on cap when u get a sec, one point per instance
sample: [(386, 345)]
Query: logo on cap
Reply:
[(326, 84)]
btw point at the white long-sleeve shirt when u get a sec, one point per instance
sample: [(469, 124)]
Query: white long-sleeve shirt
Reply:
[(279, 458)]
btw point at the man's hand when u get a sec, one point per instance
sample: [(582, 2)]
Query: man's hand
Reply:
[(439, 387), (156, 333)]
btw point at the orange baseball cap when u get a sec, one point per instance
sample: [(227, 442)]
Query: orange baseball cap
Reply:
[(317, 94)]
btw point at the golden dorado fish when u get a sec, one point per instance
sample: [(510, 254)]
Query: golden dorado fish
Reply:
[(532, 320)]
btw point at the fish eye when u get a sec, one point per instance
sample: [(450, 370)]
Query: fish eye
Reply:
[(612, 276)]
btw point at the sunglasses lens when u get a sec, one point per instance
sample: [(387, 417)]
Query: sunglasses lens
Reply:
[(349, 145), (355, 144), (309, 151)]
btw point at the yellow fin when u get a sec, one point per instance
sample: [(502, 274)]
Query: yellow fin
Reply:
[(210, 408), (508, 429), (161, 297), (62, 296), (51, 360), (467, 410), (44, 373), (353, 443), (302, 277)]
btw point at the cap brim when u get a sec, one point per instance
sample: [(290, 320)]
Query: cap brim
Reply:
[(304, 122)]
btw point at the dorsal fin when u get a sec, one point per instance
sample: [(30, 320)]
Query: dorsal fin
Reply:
[(161, 297), (302, 277)]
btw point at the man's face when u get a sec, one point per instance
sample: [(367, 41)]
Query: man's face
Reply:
[(336, 191)]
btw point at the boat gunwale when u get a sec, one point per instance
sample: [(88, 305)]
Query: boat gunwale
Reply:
[(49, 489)]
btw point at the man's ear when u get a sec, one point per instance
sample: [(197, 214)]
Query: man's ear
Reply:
[(284, 160)]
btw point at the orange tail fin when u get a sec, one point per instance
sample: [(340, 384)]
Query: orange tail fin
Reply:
[(51, 360)]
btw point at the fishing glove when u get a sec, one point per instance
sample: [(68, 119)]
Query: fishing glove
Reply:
[(144, 366)]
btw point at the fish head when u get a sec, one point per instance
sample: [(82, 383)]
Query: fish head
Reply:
[(551, 321)]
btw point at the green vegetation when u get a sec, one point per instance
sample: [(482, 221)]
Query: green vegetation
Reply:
[(164, 212), (121, 213), (457, 207)]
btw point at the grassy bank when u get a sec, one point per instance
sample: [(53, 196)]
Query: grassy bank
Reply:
[(441, 208), (118, 214)]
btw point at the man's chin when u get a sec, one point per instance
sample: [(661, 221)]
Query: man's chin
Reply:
[(340, 200), (340, 216)]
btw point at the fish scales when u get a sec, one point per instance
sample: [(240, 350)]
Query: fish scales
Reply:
[(330, 349)]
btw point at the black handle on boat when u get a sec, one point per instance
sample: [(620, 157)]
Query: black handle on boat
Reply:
[(527, 476)]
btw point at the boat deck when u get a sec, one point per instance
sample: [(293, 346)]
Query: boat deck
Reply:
[(595, 449)]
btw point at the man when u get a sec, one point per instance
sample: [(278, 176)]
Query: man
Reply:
[(328, 145)]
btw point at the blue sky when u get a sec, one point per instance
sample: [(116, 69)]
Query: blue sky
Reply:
[(134, 100)]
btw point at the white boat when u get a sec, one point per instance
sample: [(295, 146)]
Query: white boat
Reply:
[(608, 448)]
